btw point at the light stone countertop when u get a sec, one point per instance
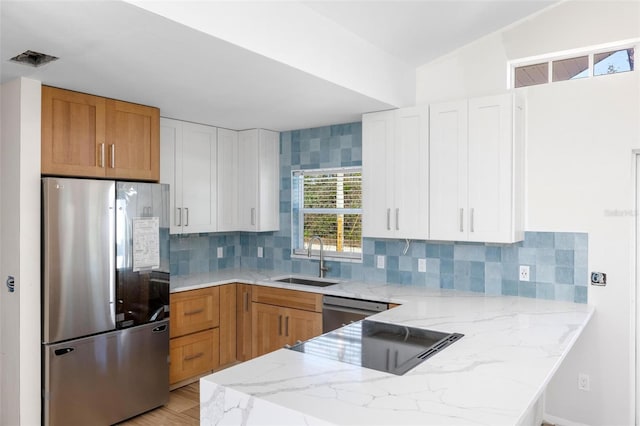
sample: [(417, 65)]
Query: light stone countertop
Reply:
[(494, 375)]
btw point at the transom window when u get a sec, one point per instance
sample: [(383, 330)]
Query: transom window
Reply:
[(584, 65), (327, 203)]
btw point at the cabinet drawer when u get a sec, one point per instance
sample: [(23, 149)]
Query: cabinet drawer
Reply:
[(288, 298), (193, 355), (194, 310)]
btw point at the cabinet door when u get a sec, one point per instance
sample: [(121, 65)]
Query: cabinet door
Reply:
[(267, 328), (171, 168), (193, 355), (133, 141), (490, 167), (73, 133), (243, 322), (377, 186), (301, 325), (227, 324), (248, 180), (227, 180), (258, 181), (199, 180), (194, 310), (410, 214), (448, 171), (268, 181)]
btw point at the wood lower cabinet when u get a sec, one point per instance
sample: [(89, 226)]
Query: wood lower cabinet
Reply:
[(243, 322), (89, 136), (195, 334), (228, 324), (194, 355), (276, 322)]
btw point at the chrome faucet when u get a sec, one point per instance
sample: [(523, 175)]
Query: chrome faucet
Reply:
[(322, 268)]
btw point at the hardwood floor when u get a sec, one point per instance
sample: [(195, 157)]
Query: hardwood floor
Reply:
[(183, 409)]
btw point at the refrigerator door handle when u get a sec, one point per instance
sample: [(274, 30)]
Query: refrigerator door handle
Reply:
[(63, 351)]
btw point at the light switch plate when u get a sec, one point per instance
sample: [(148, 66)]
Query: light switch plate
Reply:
[(380, 262), (220, 252), (260, 252)]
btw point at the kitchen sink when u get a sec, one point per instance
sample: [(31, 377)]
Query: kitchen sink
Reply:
[(316, 282)]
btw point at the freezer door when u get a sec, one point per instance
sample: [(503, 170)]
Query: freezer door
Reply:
[(142, 253), (104, 379), (78, 229)]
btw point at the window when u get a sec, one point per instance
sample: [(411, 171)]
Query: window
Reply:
[(561, 68), (327, 203)]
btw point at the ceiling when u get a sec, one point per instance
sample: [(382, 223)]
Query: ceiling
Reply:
[(122, 50)]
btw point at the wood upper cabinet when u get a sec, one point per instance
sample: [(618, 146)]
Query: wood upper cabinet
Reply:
[(89, 136), (277, 322), (476, 170), (73, 133), (133, 141)]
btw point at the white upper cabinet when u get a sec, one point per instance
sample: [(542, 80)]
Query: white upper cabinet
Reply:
[(395, 162), (258, 180), (227, 180), (476, 170), (188, 154)]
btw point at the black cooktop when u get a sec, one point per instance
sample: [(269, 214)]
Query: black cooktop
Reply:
[(377, 345)]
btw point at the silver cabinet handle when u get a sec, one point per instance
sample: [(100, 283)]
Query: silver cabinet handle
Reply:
[(279, 325), (286, 326), (253, 215), (186, 210), (388, 219), (102, 155), (397, 219), (471, 220), (179, 216), (461, 219), (113, 156)]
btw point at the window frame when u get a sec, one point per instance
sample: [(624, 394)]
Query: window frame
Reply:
[(298, 251), (550, 58)]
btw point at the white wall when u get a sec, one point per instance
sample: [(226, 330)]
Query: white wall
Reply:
[(20, 246), (580, 138)]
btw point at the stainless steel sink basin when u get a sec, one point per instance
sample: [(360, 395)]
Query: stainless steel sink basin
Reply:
[(305, 281)]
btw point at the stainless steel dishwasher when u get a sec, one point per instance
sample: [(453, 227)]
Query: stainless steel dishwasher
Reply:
[(339, 311)]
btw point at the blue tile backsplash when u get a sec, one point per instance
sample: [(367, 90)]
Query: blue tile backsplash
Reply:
[(557, 260)]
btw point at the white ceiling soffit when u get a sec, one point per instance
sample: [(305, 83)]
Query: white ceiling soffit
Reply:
[(295, 35), (117, 50), (279, 65)]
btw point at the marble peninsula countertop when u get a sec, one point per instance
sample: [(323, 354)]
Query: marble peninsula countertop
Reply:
[(495, 375)]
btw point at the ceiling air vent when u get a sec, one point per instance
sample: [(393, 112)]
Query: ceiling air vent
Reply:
[(35, 59)]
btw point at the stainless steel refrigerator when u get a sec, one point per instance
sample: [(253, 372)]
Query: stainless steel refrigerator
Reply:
[(105, 300)]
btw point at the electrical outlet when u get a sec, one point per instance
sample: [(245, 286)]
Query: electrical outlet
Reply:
[(598, 278), (260, 252), (584, 382), (220, 252), (422, 265), (380, 262), (524, 272)]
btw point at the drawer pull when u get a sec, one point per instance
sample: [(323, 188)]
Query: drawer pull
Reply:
[(194, 312), (192, 357)]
